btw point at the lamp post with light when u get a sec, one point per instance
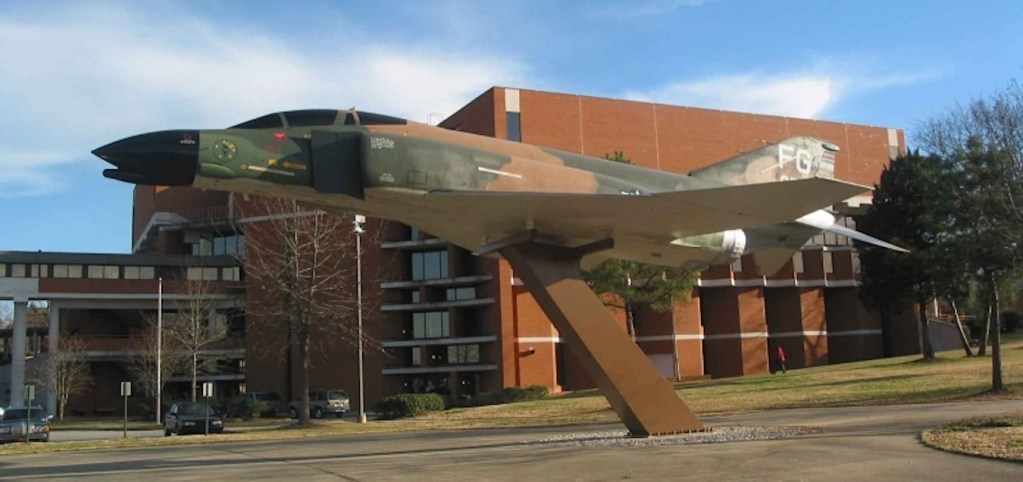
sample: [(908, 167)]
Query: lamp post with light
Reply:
[(357, 229)]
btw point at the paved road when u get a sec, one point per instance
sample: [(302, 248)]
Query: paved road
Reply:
[(863, 443)]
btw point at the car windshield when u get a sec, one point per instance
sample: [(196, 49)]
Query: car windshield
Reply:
[(194, 409), (336, 395), (23, 414)]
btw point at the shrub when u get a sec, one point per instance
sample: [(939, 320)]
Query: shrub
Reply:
[(507, 395), (246, 408), (409, 405)]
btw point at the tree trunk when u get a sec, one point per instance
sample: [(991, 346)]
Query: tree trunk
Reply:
[(962, 333), (195, 360), (925, 331), (982, 350), (996, 338), (303, 376)]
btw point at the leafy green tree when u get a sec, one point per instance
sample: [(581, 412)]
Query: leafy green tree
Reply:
[(988, 232), (910, 209), (628, 284)]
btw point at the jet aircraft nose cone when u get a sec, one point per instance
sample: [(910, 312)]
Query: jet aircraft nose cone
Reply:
[(166, 158)]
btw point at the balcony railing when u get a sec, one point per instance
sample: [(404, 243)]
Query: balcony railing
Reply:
[(462, 340), (437, 305), (414, 370), (442, 282)]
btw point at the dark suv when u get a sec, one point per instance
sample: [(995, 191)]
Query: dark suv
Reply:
[(324, 402)]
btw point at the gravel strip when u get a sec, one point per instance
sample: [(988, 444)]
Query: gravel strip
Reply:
[(621, 438)]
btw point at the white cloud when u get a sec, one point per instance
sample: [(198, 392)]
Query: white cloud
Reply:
[(797, 95), (76, 79), (807, 94)]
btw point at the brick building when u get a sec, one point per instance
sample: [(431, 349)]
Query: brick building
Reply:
[(443, 318)]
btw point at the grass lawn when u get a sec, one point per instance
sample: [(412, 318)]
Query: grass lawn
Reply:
[(999, 437), (952, 377)]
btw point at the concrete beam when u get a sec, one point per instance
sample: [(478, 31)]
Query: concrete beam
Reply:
[(636, 390)]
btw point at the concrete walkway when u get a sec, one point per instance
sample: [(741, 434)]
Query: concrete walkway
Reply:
[(860, 443)]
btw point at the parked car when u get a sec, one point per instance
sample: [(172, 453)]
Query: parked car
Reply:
[(190, 417), (324, 402), (16, 422)]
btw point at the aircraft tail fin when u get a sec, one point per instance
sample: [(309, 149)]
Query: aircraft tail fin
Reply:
[(795, 158)]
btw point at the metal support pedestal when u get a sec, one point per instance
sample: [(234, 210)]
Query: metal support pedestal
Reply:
[(636, 390)]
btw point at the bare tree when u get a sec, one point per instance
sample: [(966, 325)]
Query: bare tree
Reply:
[(6, 314), (63, 372), (142, 366), (302, 263), (196, 327)]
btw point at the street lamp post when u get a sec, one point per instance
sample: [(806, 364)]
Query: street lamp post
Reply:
[(159, 349), (357, 229)]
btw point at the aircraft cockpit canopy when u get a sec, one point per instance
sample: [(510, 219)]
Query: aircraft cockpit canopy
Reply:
[(319, 117)]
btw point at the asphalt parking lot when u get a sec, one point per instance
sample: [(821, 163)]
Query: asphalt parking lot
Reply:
[(855, 443)]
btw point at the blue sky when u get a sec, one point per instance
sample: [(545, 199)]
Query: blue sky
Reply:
[(76, 75)]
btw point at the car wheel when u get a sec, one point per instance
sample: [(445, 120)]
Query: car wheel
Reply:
[(317, 412), (166, 432)]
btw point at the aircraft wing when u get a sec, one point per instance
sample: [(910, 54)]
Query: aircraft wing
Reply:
[(472, 219)]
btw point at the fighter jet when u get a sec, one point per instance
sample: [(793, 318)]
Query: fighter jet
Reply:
[(477, 191), (547, 212)]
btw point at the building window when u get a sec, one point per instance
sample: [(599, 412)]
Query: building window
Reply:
[(104, 272), (429, 265), (430, 325), (17, 271), (3, 270), (230, 274), (139, 272), (40, 270), (797, 263), (456, 294), (829, 264), (204, 274), (417, 356), (74, 271), (855, 263), (463, 354), (416, 297)]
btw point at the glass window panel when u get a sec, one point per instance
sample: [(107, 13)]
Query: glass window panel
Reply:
[(431, 267), (74, 271), (17, 271), (417, 266), (443, 264), (111, 272), (147, 272), (829, 266), (60, 271), (241, 244), (417, 356), (219, 246), (231, 245), (95, 272), (194, 273), (131, 272), (3, 270), (209, 274), (797, 262), (418, 326), (415, 297)]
